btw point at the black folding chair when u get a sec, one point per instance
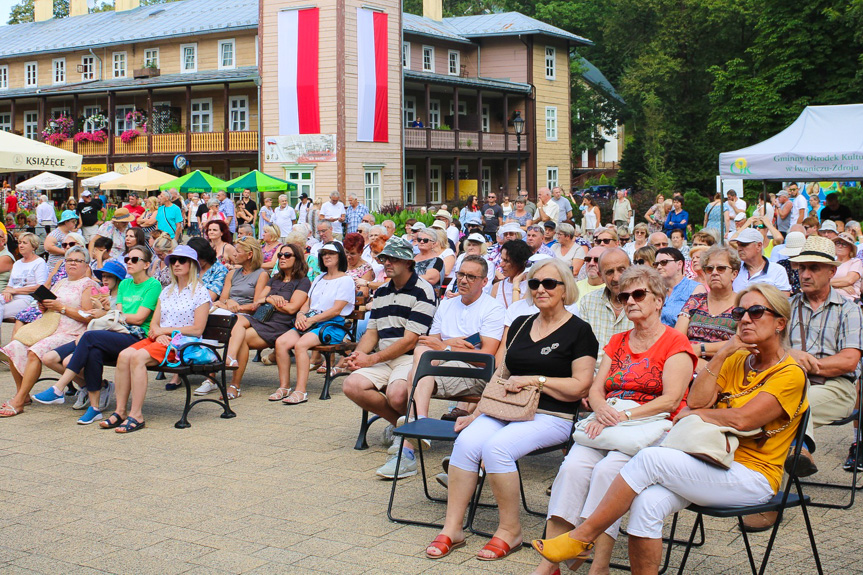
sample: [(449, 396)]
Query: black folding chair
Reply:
[(853, 487), (780, 502), (435, 429)]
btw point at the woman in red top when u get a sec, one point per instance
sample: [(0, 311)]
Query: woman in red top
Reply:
[(651, 364)]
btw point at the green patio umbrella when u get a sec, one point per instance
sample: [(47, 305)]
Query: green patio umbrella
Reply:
[(257, 181), (196, 182)]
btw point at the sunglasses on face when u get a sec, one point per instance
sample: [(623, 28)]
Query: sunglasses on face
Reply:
[(636, 294), (132, 259), (590, 259), (286, 255), (69, 245), (661, 263), (548, 283), (755, 312), (720, 269), (603, 241), (382, 259), (625, 239), (640, 262), (180, 260), (423, 240)]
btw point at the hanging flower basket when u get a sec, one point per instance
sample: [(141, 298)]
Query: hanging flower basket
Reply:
[(96, 137), (129, 135), (55, 139)]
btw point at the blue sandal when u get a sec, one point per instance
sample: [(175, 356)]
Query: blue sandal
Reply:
[(131, 424), (108, 424)]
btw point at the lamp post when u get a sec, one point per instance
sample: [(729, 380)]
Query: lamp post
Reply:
[(518, 125)]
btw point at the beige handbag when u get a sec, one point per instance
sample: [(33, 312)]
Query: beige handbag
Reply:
[(501, 404), (38, 330)]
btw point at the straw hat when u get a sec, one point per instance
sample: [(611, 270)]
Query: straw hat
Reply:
[(122, 215), (845, 237), (817, 250)]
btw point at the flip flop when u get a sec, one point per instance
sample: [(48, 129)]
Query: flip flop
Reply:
[(108, 424), (130, 425), (499, 547), (443, 544), (7, 410)]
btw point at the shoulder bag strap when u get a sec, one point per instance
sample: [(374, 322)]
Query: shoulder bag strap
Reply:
[(803, 345)]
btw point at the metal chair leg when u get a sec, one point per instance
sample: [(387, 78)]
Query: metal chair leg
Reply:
[(803, 507), (365, 423), (328, 360), (228, 413), (184, 422), (257, 357)]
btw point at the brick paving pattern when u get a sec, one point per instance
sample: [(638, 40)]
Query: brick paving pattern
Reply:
[(280, 489)]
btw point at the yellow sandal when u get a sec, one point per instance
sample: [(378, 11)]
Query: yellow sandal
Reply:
[(562, 548)]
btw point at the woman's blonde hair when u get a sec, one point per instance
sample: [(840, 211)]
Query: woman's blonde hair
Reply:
[(32, 239), (151, 203), (651, 278), (776, 300), (646, 253), (253, 246), (570, 295), (442, 240), (715, 250), (274, 231), (193, 277), (164, 244)]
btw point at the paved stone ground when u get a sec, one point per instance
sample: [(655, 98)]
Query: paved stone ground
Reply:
[(280, 489)]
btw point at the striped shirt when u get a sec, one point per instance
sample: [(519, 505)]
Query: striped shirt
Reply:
[(596, 310), (411, 308), (836, 325)]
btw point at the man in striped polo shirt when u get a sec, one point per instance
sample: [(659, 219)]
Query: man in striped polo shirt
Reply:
[(402, 311)]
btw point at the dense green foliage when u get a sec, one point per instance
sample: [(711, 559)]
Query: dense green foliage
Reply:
[(704, 76), (23, 11)]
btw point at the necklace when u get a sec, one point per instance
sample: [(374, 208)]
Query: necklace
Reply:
[(549, 329), (753, 373)]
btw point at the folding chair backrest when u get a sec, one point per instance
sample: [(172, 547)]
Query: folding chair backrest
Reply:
[(484, 370)]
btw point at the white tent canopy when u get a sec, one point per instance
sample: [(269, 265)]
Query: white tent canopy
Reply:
[(19, 154), (44, 181), (100, 179), (823, 143)]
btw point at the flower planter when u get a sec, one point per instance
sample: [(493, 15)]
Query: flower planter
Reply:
[(145, 73)]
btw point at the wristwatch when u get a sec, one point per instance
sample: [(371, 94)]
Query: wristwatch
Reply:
[(703, 351), (63, 310), (628, 414), (542, 381), (448, 348)]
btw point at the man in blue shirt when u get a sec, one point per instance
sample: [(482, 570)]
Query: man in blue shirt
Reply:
[(169, 218), (354, 213), (226, 206)]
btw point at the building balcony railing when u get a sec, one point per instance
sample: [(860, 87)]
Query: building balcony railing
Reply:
[(170, 144), (461, 140)]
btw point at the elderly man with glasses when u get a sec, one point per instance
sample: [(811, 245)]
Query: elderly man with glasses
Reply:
[(593, 281), (756, 268), (669, 263), (600, 308), (536, 241)]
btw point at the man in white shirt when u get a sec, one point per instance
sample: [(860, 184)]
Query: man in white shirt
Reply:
[(563, 204), (473, 313), (284, 216), (755, 268), (546, 209), (452, 232), (45, 214), (798, 211), (334, 212), (733, 206)]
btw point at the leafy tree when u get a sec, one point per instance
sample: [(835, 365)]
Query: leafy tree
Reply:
[(23, 11)]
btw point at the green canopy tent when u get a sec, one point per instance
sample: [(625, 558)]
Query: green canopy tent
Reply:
[(257, 181), (196, 182)]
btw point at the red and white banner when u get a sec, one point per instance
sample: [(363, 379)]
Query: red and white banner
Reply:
[(299, 108), (372, 85)]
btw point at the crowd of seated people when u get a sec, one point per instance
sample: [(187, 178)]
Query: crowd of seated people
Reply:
[(618, 313)]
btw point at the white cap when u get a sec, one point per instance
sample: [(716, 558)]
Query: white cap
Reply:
[(86, 193), (418, 226), (749, 236), (476, 238), (739, 217), (828, 226), (793, 244)]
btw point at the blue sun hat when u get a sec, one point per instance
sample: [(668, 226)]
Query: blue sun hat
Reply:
[(68, 215), (112, 267)]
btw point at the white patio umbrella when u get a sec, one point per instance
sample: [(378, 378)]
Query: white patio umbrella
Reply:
[(44, 181), (20, 154), (100, 179)]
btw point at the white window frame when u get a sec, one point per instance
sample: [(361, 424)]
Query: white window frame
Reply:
[(485, 119), (435, 185), (428, 66), (551, 123), (6, 121), (406, 55), (31, 74), (151, 55), (295, 174), (4, 77), (183, 68), (372, 186), (462, 108), (120, 123), (119, 65), (409, 110), (31, 124), (453, 63), (550, 63), (90, 111), (552, 177), (235, 123), (233, 44), (410, 184), (200, 114), (57, 112), (88, 68), (433, 121), (58, 70), (485, 180)]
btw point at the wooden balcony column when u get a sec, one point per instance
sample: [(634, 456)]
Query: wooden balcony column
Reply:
[(75, 115), (455, 119), (227, 125), (112, 109), (188, 118), (505, 123), (150, 120), (13, 110), (428, 179), (428, 115), (41, 110), (455, 185), (479, 115)]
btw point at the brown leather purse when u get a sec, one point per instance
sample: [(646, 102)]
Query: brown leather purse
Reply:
[(501, 404)]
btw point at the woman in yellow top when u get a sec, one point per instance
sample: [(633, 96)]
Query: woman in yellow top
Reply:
[(659, 481)]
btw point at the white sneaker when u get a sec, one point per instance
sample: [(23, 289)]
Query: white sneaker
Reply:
[(388, 434), (407, 467), (107, 395), (82, 399), (207, 387)]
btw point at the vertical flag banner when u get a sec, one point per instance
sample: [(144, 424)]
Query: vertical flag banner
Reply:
[(299, 107), (372, 85)]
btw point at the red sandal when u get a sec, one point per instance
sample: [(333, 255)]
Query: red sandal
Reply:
[(443, 544), (499, 547)]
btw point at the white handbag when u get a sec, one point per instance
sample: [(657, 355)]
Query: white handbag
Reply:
[(113, 320), (708, 442), (629, 436)]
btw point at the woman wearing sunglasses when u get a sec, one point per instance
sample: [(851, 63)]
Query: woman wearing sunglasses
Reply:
[(183, 306), (706, 317), (659, 481), (54, 240), (565, 348), (136, 300), (428, 265), (650, 364), (287, 292), (73, 297)]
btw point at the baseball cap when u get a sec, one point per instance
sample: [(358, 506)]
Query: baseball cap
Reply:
[(749, 236), (86, 193), (828, 226), (418, 226), (739, 217), (398, 248), (475, 237), (783, 193)]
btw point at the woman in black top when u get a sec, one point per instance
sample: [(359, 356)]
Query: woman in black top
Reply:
[(565, 348)]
